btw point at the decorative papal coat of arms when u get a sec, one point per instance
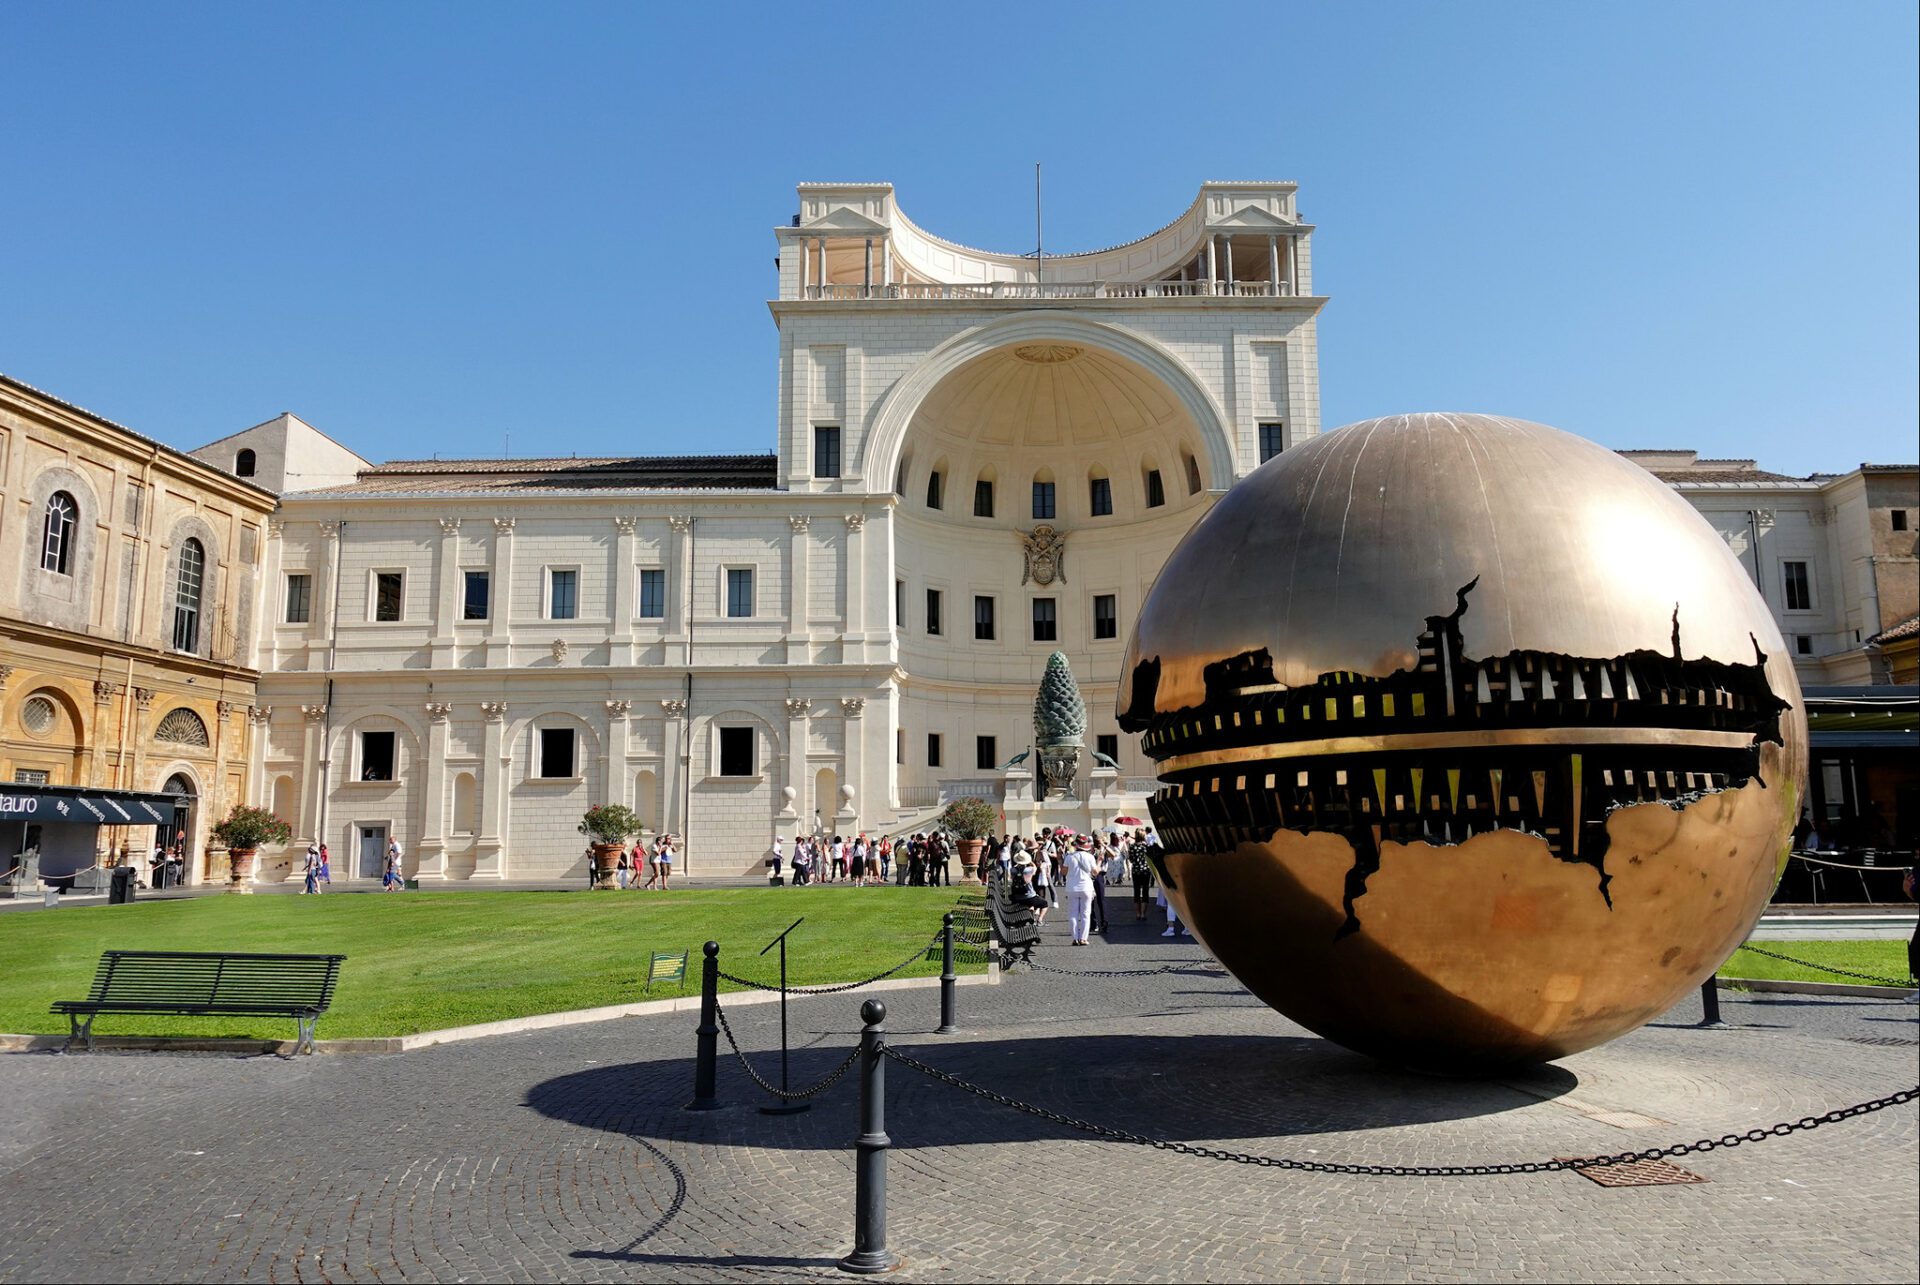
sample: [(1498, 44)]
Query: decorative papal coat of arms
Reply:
[(1046, 551)]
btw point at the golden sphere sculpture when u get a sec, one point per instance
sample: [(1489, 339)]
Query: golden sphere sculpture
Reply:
[(1477, 745)]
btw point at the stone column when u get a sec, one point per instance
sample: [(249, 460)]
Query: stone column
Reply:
[(489, 860), (620, 631), (1213, 262), (616, 788), (313, 755), (272, 589), (446, 602), (430, 853), (259, 726), (1273, 262), (787, 822), (799, 556), (500, 597), (680, 590), (846, 811), (326, 577)]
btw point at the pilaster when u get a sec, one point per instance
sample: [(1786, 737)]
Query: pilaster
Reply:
[(787, 822), (616, 787), (500, 597), (446, 599), (680, 591), (846, 811), (313, 751), (326, 588), (430, 854), (799, 556), (489, 861), (620, 633), (673, 771)]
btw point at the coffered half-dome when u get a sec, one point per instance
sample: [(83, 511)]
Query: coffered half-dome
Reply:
[(1048, 395)]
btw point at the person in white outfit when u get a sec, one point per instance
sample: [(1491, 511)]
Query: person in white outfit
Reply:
[(1077, 870)]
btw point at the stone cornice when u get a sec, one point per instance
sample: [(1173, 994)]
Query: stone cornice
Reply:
[(1310, 303)]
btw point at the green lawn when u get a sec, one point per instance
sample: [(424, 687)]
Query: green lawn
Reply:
[(421, 961), (1882, 958)]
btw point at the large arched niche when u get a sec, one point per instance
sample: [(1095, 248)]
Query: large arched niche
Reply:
[(1041, 382)]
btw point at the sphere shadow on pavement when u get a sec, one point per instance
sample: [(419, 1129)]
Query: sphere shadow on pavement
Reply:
[(1186, 1088)]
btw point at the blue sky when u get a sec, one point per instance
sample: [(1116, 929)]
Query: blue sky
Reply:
[(426, 228)]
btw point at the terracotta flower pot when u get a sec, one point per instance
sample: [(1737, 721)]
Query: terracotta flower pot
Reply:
[(606, 861), (240, 869), (970, 854)]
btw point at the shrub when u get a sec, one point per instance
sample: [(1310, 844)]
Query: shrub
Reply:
[(247, 828), (609, 823), (971, 818)]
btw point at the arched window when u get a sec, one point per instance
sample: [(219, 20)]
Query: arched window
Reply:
[(1099, 493), (466, 804), (1193, 476), (182, 727), (186, 596), (56, 537), (243, 464), (1043, 497)]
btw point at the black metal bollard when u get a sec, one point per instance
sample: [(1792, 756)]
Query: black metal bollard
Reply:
[(870, 1162), (706, 1059), (947, 979), (1710, 1002)]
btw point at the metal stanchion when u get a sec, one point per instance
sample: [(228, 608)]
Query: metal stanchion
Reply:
[(1710, 1003), (870, 1163), (705, 1064), (947, 979)]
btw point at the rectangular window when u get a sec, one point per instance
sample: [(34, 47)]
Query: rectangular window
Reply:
[(986, 756), (1100, 497), (1042, 501), (1273, 440), (739, 592), (899, 603), (1108, 744), (983, 618), (563, 594), (1799, 588), (376, 756), (31, 776), (556, 753), (299, 598), (1899, 518), (933, 611), (1044, 629), (479, 596), (387, 586), (1106, 621), (900, 746), (1156, 489), (934, 481), (1803, 644), (653, 593), (933, 749), (983, 498), (736, 751), (826, 450)]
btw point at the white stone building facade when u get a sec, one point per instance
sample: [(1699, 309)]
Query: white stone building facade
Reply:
[(838, 636)]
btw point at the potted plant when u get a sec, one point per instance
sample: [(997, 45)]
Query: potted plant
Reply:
[(972, 821), (608, 825), (242, 833)]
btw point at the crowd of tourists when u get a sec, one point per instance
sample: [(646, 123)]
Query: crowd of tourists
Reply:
[(916, 861), (1038, 871), (655, 858)]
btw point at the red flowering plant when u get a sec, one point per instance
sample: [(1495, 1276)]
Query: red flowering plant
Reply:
[(609, 823)]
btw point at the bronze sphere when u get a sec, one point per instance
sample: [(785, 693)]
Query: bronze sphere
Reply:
[(1477, 744)]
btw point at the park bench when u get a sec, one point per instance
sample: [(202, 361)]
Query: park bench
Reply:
[(668, 966), (1016, 926), (206, 984)]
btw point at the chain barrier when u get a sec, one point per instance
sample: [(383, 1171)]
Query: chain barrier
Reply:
[(833, 1076), (1404, 1171), (1826, 968), (918, 953), (1196, 966)]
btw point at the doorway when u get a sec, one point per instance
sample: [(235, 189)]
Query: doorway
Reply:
[(176, 839), (373, 852)]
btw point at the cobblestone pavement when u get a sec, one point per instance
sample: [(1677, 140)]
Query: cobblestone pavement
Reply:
[(564, 1154)]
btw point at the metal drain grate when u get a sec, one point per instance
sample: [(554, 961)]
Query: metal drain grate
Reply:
[(1884, 1041), (1640, 1173)]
